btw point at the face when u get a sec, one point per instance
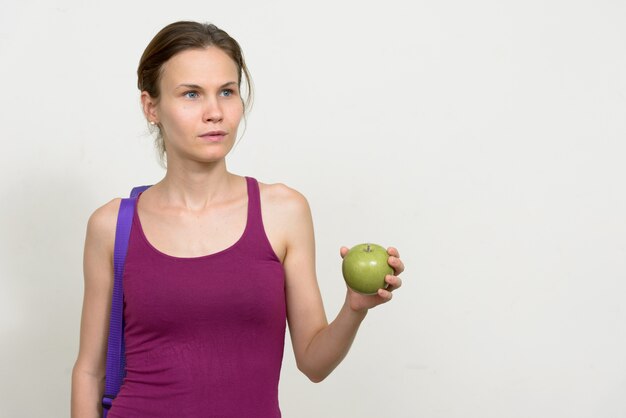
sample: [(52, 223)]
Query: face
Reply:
[(200, 105)]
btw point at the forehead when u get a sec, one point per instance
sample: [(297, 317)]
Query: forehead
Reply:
[(200, 66)]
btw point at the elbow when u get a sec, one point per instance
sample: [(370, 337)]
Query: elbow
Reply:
[(315, 376)]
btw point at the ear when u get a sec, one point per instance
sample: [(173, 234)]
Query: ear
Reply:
[(149, 106)]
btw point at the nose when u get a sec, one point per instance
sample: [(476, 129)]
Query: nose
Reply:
[(212, 111)]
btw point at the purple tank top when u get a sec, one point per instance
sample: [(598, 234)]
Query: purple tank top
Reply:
[(204, 335)]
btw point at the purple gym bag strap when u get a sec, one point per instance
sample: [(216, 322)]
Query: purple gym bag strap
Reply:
[(116, 361)]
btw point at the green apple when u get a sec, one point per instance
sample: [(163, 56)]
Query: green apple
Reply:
[(364, 268)]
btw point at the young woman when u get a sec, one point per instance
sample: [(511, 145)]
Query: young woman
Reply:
[(217, 263)]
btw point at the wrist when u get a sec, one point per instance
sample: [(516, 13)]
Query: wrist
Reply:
[(357, 313)]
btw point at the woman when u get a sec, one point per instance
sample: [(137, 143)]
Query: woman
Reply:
[(217, 263)]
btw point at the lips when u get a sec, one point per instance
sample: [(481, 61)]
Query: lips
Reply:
[(213, 135)]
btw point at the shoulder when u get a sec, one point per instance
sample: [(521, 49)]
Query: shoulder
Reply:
[(286, 217), (282, 198), (105, 215), (102, 223)]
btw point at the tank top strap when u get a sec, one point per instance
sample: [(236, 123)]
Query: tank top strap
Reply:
[(256, 239), (254, 203)]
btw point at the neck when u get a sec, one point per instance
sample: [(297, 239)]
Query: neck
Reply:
[(195, 187)]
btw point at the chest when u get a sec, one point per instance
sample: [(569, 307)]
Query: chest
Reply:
[(194, 234)]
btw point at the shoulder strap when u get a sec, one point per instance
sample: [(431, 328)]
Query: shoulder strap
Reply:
[(116, 362), (136, 190)]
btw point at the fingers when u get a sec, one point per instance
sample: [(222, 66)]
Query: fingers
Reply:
[(385, 294), (343, 251), (393, 251), (395, 262), (394, 282)]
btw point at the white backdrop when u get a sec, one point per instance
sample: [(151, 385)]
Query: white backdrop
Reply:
[(484, 139)]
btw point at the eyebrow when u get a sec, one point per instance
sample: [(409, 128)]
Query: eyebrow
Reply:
[(198, 87)]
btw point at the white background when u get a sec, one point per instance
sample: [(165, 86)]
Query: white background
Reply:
[(484, 139)]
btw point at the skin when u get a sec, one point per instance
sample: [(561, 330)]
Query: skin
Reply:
[(199, 208)]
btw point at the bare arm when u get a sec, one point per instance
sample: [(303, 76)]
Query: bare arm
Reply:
[(319, 347), (89, 369)]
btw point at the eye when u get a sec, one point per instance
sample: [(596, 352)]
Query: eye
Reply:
[(191, 94), (227, 92)]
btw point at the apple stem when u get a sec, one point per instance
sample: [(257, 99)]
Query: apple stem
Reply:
[(368, 249)]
